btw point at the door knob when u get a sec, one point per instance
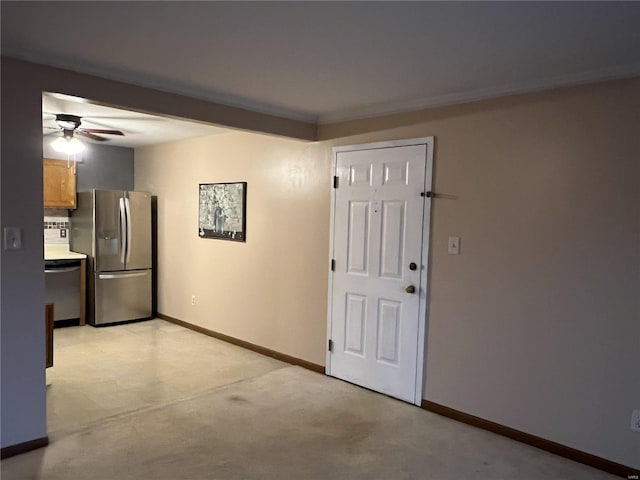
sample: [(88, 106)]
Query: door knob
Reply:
[(410, 289)]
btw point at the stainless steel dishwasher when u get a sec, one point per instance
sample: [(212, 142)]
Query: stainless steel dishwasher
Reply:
[(62, 288)]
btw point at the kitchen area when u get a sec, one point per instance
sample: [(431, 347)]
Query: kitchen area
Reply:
[(97, 230), (97, 247), (100, 266), (98, 286)]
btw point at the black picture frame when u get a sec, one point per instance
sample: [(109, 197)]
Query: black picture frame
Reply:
[(222, 211)]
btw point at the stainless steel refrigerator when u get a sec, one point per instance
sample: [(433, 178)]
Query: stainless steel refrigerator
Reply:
[(113, 228)]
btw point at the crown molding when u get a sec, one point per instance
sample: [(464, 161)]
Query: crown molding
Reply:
[(168, 87), (390, 108), (349, 114)]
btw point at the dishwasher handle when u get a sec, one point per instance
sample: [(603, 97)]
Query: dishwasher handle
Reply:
[(61, 270)]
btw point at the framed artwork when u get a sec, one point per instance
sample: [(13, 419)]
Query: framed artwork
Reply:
[(223, 211)]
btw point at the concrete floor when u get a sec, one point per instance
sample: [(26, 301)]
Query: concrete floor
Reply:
[(155, 401)]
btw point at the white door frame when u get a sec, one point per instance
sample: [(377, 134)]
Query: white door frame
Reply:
[(426, 243)]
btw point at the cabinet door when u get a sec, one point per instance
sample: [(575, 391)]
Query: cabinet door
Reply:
[(59, 184)]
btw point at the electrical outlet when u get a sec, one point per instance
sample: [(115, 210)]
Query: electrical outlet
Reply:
[(635, 420), (193, 300), (63, 233)]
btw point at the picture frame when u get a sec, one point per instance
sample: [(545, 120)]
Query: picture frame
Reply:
[(222, 211)]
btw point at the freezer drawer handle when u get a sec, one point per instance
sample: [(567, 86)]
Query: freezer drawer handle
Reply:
[(61, 270), (103, 276)]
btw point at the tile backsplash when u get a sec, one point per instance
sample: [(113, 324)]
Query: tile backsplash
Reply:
[(56, 226)]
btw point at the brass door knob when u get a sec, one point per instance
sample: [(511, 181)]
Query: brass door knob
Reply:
[(410, 289)]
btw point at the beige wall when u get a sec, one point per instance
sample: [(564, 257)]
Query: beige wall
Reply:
[(535, 325), (271, 290)]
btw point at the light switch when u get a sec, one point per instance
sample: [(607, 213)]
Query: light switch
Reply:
[(12, 238), (454, 245)]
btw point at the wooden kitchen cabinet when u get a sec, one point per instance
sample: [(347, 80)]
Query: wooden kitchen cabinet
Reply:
[(59, 184)]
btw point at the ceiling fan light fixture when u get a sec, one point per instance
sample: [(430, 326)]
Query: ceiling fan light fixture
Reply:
[(69, 146), (68, 122)]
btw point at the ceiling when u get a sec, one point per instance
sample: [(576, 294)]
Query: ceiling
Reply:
[(331, 61), (140, 129)]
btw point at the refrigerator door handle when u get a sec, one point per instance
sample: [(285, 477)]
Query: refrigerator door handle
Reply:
[(127, 207), (112, 276), (123, 229)]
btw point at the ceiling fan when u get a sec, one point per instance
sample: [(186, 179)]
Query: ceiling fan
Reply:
[(70, 126)]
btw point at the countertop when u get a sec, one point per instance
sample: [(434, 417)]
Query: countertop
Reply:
[(60, 252)]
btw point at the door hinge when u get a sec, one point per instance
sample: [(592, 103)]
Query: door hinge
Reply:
[(330, 346), (335, 181), (333, 264)]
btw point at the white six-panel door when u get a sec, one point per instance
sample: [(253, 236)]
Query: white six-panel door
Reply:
[(378, 282)]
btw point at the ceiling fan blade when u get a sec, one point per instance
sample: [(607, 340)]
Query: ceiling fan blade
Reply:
[(99, 130), (51, 133), (91, 136)]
